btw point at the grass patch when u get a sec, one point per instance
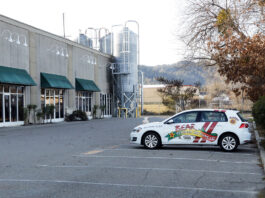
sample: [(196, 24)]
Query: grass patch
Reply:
[(168, 113), (156, 108), (261, 194)]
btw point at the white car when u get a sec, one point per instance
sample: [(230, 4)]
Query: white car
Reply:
[(225, 128)]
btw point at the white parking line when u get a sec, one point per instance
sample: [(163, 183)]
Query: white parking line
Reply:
[(179, 150), (156, 169), (145, 121), (127, 185), (166, 158)]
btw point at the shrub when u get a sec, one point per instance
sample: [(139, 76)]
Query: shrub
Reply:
[(145, 112), (258, 111), (40, 115), (102, 109), (49, 111), (25, 115), (94, 111), (76, 115)]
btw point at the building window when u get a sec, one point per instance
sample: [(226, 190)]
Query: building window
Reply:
[(84, 101), (53, 97), (105, 100), (11, 103)]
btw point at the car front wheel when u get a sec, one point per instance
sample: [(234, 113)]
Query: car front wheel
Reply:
[(151, 141), (228, 143)]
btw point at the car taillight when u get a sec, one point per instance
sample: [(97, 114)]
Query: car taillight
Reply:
[(244, 125)]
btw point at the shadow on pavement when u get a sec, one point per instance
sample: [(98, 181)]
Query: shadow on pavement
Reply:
[(240, 149)]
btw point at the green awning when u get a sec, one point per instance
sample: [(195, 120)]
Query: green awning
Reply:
[(55, 81), (16, 76), (86, 85)]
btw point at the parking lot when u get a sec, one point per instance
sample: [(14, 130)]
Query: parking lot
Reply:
[(95, 159)]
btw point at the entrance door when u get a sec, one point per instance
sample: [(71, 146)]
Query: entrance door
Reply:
[(13, 107), (7, 107)]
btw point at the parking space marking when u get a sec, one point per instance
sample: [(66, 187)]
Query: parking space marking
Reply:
[(145, 121), (93, 152), (156, 169), (165, 158), (127, 185), (178, 150), (112, 147)]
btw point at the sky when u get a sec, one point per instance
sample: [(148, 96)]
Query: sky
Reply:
[(158, 20)]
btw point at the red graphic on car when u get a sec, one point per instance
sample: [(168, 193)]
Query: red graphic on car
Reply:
[(189, 129)]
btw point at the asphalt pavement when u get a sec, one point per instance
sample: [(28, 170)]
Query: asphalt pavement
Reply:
[(94, 159)]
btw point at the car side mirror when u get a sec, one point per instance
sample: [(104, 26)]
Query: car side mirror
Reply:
[(171, 121)]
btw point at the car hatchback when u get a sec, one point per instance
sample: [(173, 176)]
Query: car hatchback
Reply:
[(224, 128)]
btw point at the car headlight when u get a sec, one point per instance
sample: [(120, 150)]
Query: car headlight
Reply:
[(137, 129)]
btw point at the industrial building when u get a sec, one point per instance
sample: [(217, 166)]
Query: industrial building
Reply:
[(37, 67)]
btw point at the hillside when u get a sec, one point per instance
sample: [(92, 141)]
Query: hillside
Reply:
[(188, 71)]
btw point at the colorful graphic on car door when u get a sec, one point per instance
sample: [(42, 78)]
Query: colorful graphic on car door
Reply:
[(197, 134), (210, 126)]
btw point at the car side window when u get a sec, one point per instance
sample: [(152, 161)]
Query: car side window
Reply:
[(213, 116), (186, 117)]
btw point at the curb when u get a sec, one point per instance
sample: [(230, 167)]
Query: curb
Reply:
[(261, 149)]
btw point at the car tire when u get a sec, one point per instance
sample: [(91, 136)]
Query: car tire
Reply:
[(229, 143), (151, 141)]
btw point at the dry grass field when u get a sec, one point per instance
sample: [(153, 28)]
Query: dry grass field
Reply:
[(155, 108)]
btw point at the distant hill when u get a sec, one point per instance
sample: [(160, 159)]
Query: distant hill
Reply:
[(188, 71)]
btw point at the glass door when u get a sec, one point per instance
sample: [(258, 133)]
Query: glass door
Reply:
[(1, 107), (7, 107), (13, 107)]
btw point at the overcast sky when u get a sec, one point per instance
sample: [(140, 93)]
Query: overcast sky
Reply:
[(158, 21)]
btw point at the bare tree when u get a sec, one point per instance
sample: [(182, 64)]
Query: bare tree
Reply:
[(229, 34)]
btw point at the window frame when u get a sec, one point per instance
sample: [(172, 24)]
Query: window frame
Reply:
[(197, 117), (16, 92), (200, 116), (85, 97)]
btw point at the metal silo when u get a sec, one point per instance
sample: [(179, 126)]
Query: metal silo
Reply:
[(123, 44), (105, 43), (125, 67)]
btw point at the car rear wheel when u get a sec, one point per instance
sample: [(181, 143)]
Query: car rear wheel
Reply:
[(151, 141), (228, 142)]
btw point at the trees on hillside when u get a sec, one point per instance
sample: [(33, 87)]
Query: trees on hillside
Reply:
[(230, 34)]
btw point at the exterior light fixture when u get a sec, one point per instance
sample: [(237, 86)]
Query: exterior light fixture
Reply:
[(25, 40), (7, 37), (66, 54), (15, 37), (62, 49)]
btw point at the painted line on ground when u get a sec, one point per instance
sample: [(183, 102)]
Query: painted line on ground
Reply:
[(164, 158), (156, 169), (112, 147), (126, 185), (179, 150), (92, 152), (145, 121)]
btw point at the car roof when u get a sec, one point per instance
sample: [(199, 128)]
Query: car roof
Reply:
[(219, 110)]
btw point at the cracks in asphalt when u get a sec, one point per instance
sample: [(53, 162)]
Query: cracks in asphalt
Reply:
[(194, 193), (146, 175), (211, 155), (199, 179)]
